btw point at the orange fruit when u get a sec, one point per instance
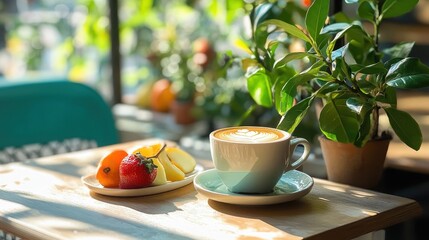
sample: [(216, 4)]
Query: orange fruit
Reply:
[(149, 150), (108, 168), (162, 96)]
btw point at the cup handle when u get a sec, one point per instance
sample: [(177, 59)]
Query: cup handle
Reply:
[(294, 164)]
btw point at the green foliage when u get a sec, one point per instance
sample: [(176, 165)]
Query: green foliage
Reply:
[(343, 66)]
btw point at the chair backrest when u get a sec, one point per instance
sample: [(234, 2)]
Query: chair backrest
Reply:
[(39, 118)]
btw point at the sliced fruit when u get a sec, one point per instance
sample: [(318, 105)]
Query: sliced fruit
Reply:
[(151, 150), (108, 168), (161, 177), (173, 173), (181, 159)]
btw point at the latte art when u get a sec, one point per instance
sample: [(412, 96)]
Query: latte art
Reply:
[(249, 135)]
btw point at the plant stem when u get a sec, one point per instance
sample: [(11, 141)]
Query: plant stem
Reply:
[(375, 117)]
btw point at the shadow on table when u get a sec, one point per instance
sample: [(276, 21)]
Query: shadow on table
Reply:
[(162, 203), (94, 221), (279, 216)]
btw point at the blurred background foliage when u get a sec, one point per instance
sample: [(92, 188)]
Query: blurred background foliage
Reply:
[(196, 44)]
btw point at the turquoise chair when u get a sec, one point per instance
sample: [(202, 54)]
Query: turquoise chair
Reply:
[(39, 118)]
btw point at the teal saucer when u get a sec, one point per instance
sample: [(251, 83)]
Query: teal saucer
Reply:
[(293, 185)]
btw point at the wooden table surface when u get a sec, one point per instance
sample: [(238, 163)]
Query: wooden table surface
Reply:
[(45, 199)]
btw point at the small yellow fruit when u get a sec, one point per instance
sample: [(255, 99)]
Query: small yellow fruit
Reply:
[(181, 159), (143, 95)]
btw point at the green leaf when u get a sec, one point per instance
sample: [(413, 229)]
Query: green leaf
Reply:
[(326, 88), (388, 96), (316, 17), (260, 14), (288, 28), (334, 28), (284, 74), (408, 73), (293, 56), (260, 37), (358, 105), (338, 122), (341, 69), (395, 8), (338, 36), (315, 68), (339, 52), (367, 86), (405, 127), (324, 76), (401, 50), (259, 87), (294, 116), (289, 90), (366, 11), (376, 68), (364, 130), (351, 1)]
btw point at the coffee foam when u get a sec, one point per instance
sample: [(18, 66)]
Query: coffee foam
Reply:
[(248, 135)]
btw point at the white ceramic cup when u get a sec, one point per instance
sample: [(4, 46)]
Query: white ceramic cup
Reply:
[(251, 159)]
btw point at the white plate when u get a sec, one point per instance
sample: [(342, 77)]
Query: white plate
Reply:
[(92, 183), (293, 185)]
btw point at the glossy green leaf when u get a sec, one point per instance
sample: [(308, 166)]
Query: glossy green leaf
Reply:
[(405, 127), (376, 68), (324, 76), (358, 105), (293, 56), (259, 87), (366, 11), (388, 97), (338, 36), (284, 74), (408, 73), (259, 14), (401, 50), (339, 52), (395, 8), (294, 116), (315, 68), (351, 1), (260, 37), (290, 89), (338, 122), (288, 28), (359, 48), (366, 85), (327, 88), (341, 70), (364, 130), (334, 28), (316, 17)]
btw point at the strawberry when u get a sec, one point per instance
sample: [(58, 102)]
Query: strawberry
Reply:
[(136, 171)]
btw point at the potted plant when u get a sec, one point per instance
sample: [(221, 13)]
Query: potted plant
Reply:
[(355, 79)]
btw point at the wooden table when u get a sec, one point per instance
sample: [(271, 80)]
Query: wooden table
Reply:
[(45, 199)]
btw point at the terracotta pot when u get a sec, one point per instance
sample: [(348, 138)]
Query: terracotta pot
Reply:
[(182, 112), (348, 164)]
